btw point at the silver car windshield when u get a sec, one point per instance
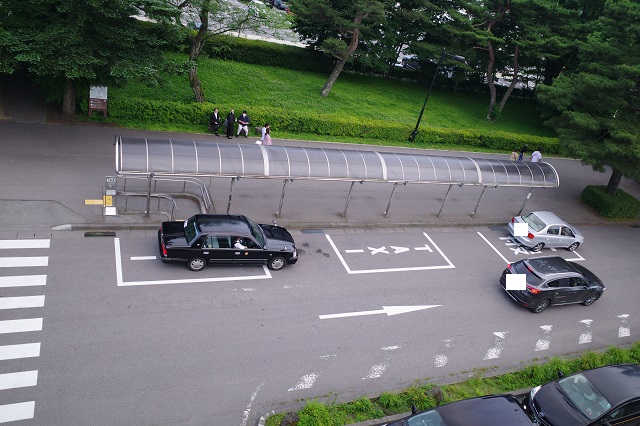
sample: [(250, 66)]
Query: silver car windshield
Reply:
[(584, 396), (257, 233), (429, 418), (534, 222)]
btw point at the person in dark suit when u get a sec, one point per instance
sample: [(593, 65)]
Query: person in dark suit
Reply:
[(214, 121), (231, 121)]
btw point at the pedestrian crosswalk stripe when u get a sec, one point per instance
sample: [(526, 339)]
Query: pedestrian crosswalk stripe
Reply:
[(25, 350), (24, 244), (21, 302), (13, 262), (20, 325), (23, 280), (19, 411), (21, 379)]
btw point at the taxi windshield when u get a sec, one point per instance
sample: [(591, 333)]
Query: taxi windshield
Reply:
[(257, 233)]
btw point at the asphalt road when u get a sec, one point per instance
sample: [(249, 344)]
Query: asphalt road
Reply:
[(125, 339)]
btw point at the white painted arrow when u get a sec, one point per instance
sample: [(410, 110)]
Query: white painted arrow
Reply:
[(389, 310)]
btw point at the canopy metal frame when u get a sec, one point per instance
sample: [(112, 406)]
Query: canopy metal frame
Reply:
[(165, 157)]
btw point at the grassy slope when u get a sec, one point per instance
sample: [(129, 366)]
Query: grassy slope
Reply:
[(242, 86)]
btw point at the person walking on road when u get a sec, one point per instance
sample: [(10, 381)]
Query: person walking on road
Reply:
[(230, 122), (536, 156)]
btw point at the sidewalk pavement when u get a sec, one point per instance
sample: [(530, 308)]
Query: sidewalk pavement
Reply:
[(49, 170)]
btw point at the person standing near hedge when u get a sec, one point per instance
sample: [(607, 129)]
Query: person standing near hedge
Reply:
[(230, 122), (524, 149), (214, 121), (536, 156), (243, 124)]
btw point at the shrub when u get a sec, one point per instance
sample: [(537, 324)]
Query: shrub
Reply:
[(392, 402), (315, 413), (416, 395), (618, 205)]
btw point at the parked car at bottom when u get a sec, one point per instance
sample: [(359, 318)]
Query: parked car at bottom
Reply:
[(545, 229), (551, 280), (491, 410), (608, 395), (219, 238)]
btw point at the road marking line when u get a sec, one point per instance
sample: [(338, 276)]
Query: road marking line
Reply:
[(354, 251), (21, 325), (544, 342), (494, 249), (121, 283), (305, 382), (245, 416), (143, 258), (425, 247), (24, 244), (19, 411), (496, 350), (577, 259), (17, 262), (376, 371), (373, 271), (21, 379), (93, 202), (21, 302), (586, 336), (23, 280), (25, 350), (624, 330)]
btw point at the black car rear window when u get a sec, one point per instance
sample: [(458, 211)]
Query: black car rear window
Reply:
[(521, 268)]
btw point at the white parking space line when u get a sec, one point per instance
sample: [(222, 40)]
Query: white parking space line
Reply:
[(21, 325), (24, 244), (498, 345), (23, 281), (624, 330), (493, 247), (19, 262), (354, 251), (373, 250), (21, 302), (586, 336), (21, 379), (143, 258), (25, 350), (121, 283), (544, 342), (19, 411)]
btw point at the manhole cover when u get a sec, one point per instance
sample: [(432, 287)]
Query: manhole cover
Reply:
[(100, 234)]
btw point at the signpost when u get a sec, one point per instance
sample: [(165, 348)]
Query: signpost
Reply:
[(98, 99)]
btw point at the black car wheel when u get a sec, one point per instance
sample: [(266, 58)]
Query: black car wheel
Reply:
[(538, 247), (590, 299), (541, 306), (196, 264), (573, 246), (277, 263)]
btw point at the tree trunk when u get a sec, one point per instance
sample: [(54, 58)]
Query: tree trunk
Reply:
[(614, 182), (514, 81), (194, 52), (337, 69), (492, 87), (69, 98)]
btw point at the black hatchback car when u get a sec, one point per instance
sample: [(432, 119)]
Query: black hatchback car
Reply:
[(552, 280), (604, 396), (223, 238), (491, 410)]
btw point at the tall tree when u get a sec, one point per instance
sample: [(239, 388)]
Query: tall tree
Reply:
[(71, 42), (595, 108), (336, 27), (215, 17)]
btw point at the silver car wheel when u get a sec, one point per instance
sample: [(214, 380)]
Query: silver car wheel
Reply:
[(573, 246)]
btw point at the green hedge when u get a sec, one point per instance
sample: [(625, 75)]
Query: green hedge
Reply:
[(264, 53), (155, 111), (619, 205)]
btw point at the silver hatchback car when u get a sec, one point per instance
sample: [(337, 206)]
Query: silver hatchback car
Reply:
[(545, 229)]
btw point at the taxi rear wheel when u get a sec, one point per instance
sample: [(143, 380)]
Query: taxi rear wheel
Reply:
[(196, 264)]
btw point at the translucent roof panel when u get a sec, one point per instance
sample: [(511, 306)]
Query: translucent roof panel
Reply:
[(198, 158)]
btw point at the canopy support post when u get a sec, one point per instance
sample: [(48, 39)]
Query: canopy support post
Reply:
[(478, 203), (148, 212), (233, 179), (445, 200), (346, 206), (284, 185), (386, 212), (525, 202)]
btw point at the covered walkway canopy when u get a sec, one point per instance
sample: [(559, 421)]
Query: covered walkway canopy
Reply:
[(164, 157)]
